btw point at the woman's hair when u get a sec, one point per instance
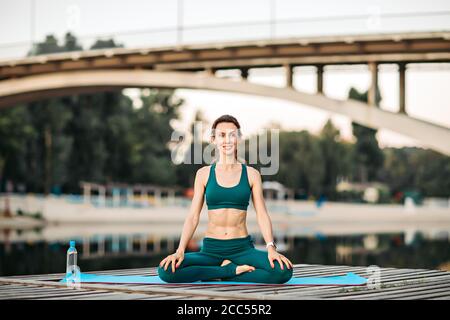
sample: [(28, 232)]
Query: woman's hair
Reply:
[(227, 118)]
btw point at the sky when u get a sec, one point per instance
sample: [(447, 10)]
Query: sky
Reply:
[(133, 23)]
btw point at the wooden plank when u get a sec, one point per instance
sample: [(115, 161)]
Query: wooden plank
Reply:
[(160, 290), (54, 297), (158, 297), (174, 297), (81, 297), (440, 294), (441, 298), (111, 296), (329, 292), (35, 291), (57, 296), (51, 295), (394, 291), (14, 287), (411, 292), (365, 292), (199, 298)]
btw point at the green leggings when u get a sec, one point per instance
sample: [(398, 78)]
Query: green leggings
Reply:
[(205, 264)]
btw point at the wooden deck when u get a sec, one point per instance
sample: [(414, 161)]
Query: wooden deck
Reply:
[(395, 283)]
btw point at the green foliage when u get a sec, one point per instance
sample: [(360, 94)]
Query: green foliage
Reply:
[(96, 137), (334, 158), (415, 169), (367, 155)]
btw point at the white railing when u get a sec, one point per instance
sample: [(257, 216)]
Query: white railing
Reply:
[(180, 34)]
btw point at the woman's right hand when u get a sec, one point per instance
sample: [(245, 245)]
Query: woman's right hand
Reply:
[(172, 259)]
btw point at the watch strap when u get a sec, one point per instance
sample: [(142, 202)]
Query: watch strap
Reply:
[(271, 243)]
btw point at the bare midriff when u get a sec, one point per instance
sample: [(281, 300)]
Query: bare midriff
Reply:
[(226, 223)]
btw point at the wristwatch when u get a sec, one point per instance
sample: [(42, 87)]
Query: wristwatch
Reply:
[(271, 243)]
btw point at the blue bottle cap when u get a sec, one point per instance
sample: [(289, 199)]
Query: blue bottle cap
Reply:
[(72, 243)]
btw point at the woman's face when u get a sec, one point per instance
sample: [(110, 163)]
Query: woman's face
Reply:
[(226, 138)]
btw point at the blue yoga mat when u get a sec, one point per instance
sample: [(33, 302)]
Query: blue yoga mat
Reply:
[(350, 279)]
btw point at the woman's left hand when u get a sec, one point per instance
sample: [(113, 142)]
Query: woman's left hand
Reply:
[(274, 255)]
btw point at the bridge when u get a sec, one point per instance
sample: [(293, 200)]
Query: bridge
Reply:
[(195, 67)]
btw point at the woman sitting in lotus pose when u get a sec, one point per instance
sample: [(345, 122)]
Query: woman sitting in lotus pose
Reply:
[(228, 252)]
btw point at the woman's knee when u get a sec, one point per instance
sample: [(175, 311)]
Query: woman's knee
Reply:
[(285, 275), (282, 275), (166, 275)]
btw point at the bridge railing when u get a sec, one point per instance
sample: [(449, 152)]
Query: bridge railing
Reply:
[(370, 23)]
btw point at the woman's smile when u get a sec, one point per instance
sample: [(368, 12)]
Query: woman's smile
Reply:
[(227, 147)]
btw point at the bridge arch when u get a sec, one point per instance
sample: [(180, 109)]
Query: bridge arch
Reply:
[(34, 87)]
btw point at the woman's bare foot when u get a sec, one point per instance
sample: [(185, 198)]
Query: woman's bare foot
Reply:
[(239, 269)]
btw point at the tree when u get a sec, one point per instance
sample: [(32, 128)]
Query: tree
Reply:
[(97, 137), (301, 164), (367, 155), (333, 158), (152, 132), (186, 171)]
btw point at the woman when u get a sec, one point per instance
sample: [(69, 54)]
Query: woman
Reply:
[(228, 252)]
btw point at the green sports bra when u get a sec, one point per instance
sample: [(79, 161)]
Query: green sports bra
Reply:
[(227, 197)]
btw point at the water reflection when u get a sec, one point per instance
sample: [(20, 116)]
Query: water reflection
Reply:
[(33, 252)]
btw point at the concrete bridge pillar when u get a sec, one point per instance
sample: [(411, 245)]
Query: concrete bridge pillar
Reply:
[(210, 71), (289, 75), (371, 99), (244, 73), (402, 86), (319, 78)]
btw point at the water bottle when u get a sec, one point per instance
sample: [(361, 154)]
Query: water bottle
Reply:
[(71, 258), (72, 270)]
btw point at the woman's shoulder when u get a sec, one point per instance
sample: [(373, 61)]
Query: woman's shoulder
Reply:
[(250, 168), (202, 174), (252, 171), (204, 169)]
